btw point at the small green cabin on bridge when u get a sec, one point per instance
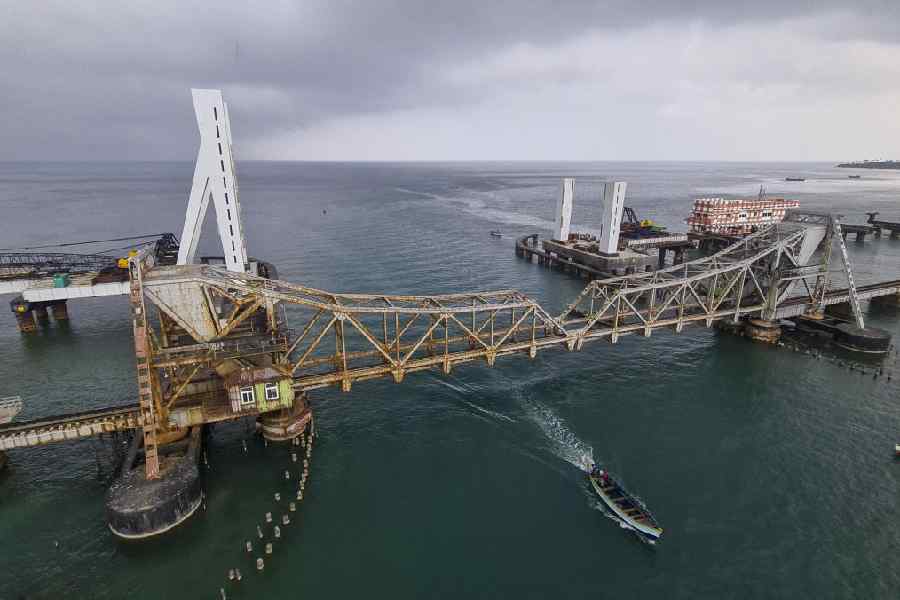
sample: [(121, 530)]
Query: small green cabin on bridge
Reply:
[(260, 389)]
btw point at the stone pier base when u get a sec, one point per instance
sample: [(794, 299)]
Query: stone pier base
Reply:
[(761, 330), (285, 424)]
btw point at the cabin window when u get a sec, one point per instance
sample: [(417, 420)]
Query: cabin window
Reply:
[(248, 396), (271, 391)]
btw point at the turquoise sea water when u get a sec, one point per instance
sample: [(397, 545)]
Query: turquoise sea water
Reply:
[(771, 472)]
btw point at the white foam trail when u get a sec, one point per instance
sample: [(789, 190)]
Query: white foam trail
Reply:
[(466, 390), (416, 193), (566, 444), (493, 206), (489, 412), (455, 388)]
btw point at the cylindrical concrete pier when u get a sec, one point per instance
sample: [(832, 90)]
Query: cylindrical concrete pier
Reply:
[(138, 508), (761, 330), (285, 424)]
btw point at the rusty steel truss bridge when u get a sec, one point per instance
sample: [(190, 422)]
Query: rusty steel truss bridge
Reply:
[(194, 323), (203, 331)]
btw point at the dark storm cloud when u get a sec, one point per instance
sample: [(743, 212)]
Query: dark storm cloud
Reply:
[(110, 80)]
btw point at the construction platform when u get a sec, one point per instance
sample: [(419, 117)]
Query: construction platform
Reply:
[(860, 231), (892, 226), (624, 262)]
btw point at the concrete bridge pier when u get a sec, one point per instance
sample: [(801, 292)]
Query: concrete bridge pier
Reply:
[(59, 310), (137, 507), (40, 313), (763, 330), (24, 314), (286, 424)]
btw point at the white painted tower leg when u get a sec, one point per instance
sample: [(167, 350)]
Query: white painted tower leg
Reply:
[(214, 178), (564, 210)]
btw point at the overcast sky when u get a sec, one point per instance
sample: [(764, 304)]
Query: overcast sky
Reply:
[(454, 80)]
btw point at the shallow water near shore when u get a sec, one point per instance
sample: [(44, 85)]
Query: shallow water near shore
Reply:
[(771, 472)]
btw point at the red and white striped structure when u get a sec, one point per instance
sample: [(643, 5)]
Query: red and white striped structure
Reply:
[(736, 217)]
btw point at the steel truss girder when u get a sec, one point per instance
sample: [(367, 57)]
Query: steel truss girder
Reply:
[(344, 338)]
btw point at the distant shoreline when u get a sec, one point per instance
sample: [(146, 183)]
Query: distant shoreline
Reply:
[(872, 164)]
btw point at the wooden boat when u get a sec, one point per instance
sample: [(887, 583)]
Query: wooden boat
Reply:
[(497, 233), (627, 508)]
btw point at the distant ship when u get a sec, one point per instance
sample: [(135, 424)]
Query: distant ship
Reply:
[(497, 233), (871, 164), (795, 178), (737, 217), (854, 176)]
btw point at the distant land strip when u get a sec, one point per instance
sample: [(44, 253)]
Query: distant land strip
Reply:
[(872, 164)]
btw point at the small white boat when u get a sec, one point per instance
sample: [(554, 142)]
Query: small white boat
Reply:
[(627, 508), (897, 450), (497, 233)]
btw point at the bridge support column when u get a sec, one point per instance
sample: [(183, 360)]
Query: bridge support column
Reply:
[(815, 314), (285, 424), (60, 310), (762, 330), (24, 314), (137, 507), (40, 313)]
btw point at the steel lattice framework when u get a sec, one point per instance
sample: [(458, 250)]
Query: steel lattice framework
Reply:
[(55, 261), (342, 338), (749, 277), (206, 317)]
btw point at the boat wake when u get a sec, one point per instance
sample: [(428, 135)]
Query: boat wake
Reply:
[(465, 390), (488, 411), (566, 444)]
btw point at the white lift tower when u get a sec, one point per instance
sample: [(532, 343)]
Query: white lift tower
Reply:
[(214, 180)]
